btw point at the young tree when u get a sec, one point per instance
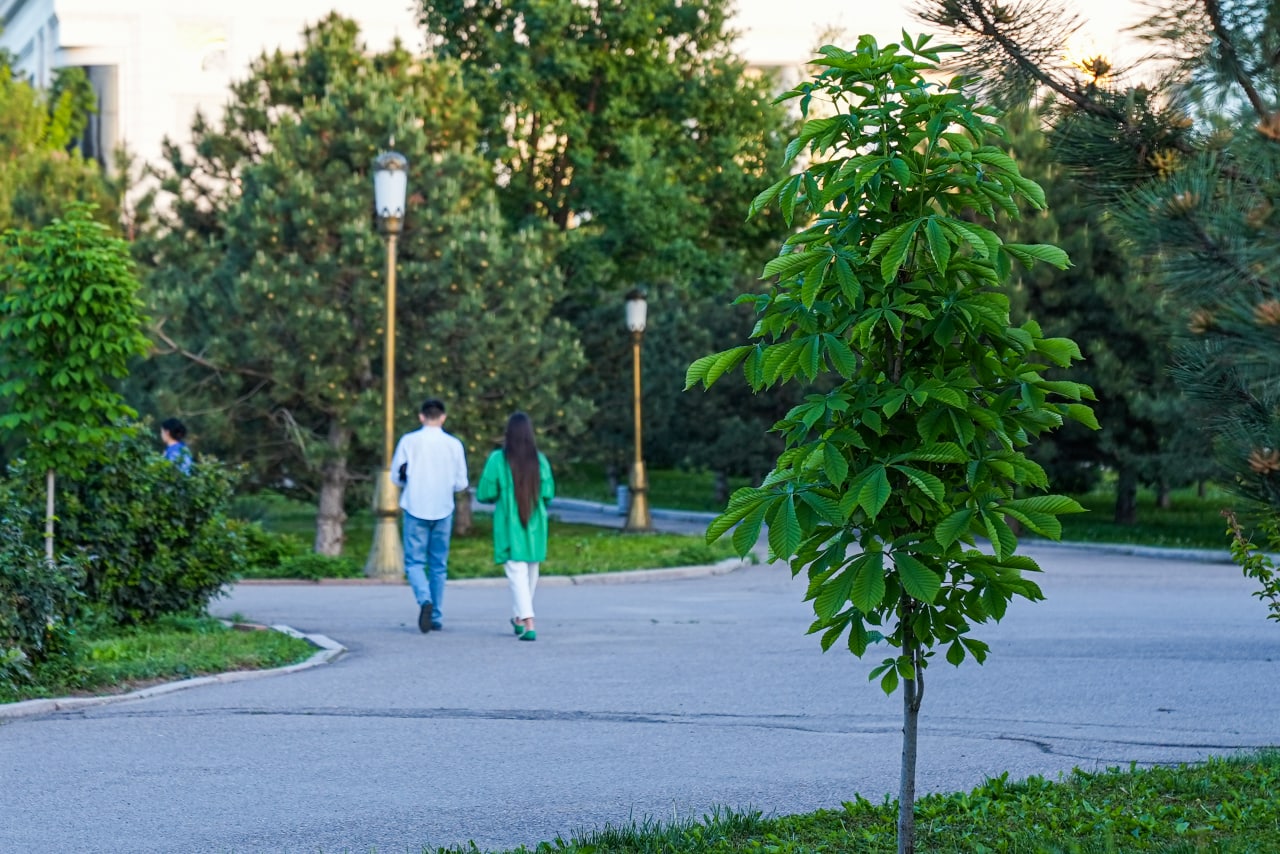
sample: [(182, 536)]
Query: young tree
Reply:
[(632, 129), (1188, 163), (267, 274), (893, 283), (70, 322)]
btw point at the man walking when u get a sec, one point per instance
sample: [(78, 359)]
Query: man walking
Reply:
[(429, 465)]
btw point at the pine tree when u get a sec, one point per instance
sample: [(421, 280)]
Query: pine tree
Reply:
[(1108, 305), (1189, 165), (267, 274)]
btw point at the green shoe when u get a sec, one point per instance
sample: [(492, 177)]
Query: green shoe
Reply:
[(518, 626), (529, 634)]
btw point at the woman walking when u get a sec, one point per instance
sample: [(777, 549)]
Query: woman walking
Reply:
[(517, 479)]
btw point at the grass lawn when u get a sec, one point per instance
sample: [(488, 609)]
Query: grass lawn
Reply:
[(673, 490), (1224, 806), (118, 660), (571, 549), (1191, 521)]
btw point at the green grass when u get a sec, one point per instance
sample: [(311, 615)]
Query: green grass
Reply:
[(1223, 805), (571, 549), (1190, 522), (117, 660), (674, 490)]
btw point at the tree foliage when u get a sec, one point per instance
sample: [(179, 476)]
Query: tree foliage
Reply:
[(40, 172), (892, 283), (633, 130), (268, 273)]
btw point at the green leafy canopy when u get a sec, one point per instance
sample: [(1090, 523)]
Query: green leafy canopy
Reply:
[(892, 279)]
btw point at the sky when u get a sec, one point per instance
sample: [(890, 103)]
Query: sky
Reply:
[(778, 32)]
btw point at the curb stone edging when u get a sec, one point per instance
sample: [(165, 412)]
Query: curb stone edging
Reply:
[(625, 576), (329, 649)]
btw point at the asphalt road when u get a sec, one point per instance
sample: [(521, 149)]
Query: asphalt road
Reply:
[(648, 700)]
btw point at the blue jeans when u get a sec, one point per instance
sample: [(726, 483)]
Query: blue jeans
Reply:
[(426, 558)]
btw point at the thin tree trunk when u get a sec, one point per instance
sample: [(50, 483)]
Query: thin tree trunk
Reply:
[(48, 514), (1165, 499), (462, 513), (912, 694), (721, 496), (1126, 498), (331, 516)]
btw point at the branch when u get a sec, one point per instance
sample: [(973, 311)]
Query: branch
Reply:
[(1220, 32), (1015, 52), (174, 347)]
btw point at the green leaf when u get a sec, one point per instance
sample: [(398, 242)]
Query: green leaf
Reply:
[(834, 465), (939, 246), (954, 527), (868, 586), (784, 528), (875, 490), (748, 531), (833, 594), (785, 266), (929, 484), (1029, 253), (918, 580)]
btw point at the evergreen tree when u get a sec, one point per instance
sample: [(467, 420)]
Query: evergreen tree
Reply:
[(1108, 305), (635, 132), (267, 274), (1189, 163)]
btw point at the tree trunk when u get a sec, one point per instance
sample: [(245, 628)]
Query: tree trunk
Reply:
[(912, 694), (48, 515), (331, 517), (1126, 498), (721, 497), (1165, 498), (462, 513)]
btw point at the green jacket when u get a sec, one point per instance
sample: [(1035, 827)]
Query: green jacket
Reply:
[(511, 540)]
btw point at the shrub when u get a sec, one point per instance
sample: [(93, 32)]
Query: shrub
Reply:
[(265, 551), (35, 597), (157, 540), (309, 566)]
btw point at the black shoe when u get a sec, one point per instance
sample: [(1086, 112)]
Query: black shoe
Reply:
[(424, 618), (437, 627)]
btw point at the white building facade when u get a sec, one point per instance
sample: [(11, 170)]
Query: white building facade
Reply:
[(153, 63)]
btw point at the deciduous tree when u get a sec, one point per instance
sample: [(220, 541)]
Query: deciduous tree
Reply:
[(70, 323), (893, 283)]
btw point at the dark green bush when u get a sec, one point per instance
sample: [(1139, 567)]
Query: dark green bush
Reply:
[(265, 551), (35, 598), (157, 540), (309, 566)]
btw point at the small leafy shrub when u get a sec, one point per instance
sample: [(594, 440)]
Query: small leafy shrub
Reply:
[(313, 567), (265, 551), (157, 540), (35, 598)]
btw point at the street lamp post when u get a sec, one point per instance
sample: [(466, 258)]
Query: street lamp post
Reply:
[(638, 513), (386, 557)]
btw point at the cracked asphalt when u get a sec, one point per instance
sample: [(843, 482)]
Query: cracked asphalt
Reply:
[(639, 701)]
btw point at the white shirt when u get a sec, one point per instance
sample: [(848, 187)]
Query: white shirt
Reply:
[(437, 469)]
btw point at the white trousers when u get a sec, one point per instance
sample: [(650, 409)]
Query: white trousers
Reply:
[(522, 577)]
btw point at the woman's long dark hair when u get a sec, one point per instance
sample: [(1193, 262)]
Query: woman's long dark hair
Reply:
[(522, 456)]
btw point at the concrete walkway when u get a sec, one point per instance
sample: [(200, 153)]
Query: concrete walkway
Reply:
[(657, 700)]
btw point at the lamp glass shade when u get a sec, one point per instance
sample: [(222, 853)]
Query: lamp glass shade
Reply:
[(637, 311), (390, 183)]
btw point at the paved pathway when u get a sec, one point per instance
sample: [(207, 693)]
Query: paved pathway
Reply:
[(644, 700)]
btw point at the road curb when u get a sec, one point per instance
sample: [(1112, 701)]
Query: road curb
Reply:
[(328, 650), (625, 576)]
